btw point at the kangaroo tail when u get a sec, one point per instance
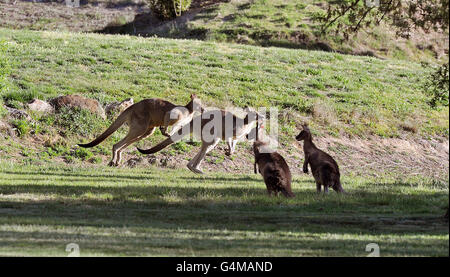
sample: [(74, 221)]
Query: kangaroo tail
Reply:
[(287, 193), (338, 187), (114, 126), (167, 141), (157, 148), (282, 184), (331, 178)]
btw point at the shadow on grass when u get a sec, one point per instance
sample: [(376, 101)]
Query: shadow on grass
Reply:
[(207, 243), (85, 198), (174, 207)]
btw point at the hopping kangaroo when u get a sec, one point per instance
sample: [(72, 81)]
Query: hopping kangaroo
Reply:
[(143, 118), (210, 127), (273, 168), (324, 168)]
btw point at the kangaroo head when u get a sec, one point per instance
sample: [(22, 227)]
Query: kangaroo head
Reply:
[(257, 144), (195, 104), (252, 116), (305, 134)]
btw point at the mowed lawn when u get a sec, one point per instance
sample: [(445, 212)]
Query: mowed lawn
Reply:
[(164, 212)]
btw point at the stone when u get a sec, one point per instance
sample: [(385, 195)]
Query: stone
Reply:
[(6, 128), (78, 101), (118, 107), (133, 162), (18, 114), (37, 105)]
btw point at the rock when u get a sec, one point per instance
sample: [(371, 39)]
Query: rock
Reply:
[(18, 114), (37, 105), (118, 107), (133, 162), (152, 159), (77, 101), (6, 128)]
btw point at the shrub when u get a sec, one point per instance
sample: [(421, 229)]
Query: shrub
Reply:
[(3, 111), (437, 85), (83, 154), (167, 9), (77, 121), (22, 126), (5, 68)]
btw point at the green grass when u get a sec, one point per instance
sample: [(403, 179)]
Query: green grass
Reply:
[(339, 94), (155, 212)]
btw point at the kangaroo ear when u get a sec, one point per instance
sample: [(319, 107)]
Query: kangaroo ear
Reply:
[(305, 126), (193, 96)]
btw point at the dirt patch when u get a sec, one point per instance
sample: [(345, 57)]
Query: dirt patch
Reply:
[(361, 157), (365, 157), (55, 15), (132, 16)]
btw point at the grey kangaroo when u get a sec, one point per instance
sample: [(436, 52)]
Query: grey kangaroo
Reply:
[(216, 133), (143, 118), (324, 168)]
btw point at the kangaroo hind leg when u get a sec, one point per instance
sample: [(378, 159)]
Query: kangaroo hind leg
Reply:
[(194, 165), (136, 132)]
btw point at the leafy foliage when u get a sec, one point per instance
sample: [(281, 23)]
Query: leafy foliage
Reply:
[(23, 127), (5, 69), (167, 9), (78, 121), (437, 86), (349, 16)]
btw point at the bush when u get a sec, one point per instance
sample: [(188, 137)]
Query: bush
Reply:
[(76, 121), (437, 85), (83, 154), (5, 69), (167, 9), (22, 126)]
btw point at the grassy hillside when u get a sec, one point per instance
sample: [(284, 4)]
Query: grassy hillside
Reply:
[(156, 212), (284, 23), (295, 24), (339, 94)]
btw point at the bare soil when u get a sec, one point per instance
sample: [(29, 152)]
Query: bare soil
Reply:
[(361, 157)]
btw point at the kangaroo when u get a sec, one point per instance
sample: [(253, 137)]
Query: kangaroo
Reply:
[(210, 133), (324, 168), (274, 169), (143, 118), (272, 166)]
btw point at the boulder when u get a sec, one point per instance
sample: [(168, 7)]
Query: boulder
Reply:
[(18, 114), (37, 105), (78, 101), (6, 128), (133, 162), (118, 107)]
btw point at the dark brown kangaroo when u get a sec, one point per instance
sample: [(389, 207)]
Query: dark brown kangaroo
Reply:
[(274, 169), (324, 168), (272, 166)]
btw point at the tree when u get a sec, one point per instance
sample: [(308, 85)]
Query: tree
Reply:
[(349, 16), (167, 9)]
